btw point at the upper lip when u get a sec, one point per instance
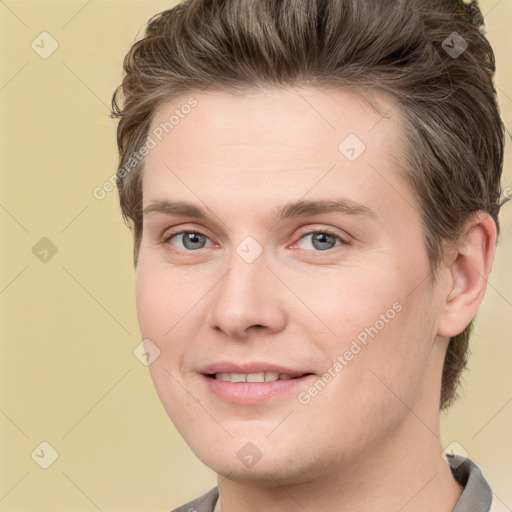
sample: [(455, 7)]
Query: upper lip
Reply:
[(250, 367)]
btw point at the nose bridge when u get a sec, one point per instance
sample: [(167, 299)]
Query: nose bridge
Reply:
[(246, 296)]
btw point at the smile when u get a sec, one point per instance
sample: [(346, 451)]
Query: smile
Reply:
[(254, 388), (254, 377)]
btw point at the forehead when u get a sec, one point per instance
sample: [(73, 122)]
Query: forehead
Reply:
[(315, 118), (274, 143)]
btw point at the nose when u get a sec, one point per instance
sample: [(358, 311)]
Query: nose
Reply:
[(248, 299)]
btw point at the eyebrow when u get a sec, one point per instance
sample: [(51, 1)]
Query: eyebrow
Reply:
[(300, 208)]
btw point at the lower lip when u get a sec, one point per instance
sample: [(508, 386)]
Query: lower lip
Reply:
[(254, 392)]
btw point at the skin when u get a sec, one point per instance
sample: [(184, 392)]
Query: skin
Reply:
[(370, 439)]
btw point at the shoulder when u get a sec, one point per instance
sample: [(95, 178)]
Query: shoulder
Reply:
[(205, 503)]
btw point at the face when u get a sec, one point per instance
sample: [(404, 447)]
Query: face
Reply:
[(280, 241)]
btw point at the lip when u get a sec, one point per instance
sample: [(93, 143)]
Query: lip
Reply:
[(253, 392), (252, 367)]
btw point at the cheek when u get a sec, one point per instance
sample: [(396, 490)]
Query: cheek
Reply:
[(161, 299), (374, 324), (160, 307), (150, 310), (169, 310), (352, 303), (386, 360)]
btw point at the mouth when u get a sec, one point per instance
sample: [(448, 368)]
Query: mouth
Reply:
[(254, 377), (256, 386)]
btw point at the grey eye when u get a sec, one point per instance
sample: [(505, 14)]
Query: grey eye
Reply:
[(321, 240), (191, 240)]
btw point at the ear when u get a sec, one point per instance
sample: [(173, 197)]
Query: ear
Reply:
[(467, 274)]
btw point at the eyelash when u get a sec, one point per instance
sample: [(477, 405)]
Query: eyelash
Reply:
[(303, 235)]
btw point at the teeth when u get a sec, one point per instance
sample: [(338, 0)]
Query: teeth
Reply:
[(253, 377)]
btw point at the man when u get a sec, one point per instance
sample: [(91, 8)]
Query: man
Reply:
[(314, 203)]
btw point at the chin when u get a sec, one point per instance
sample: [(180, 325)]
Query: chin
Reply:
[(262, 462), (267, 474)]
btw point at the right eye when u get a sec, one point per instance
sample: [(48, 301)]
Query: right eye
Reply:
[(189, 240)]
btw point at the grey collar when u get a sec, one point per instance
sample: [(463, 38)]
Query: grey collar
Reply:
[(477, 495)]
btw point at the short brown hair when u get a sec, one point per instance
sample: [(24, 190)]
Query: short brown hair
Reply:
[(431, 55)]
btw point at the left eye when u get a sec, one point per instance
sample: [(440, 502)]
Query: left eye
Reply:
[(322, 240), (191, 240)]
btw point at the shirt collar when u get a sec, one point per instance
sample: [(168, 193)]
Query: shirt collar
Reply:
[(477, 495)]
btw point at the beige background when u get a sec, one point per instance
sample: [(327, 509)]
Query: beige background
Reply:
[(68, 373)]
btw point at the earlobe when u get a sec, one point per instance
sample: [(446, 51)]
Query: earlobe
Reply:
[(468, 273)]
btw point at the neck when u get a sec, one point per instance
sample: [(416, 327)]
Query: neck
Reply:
[(403, 472)]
